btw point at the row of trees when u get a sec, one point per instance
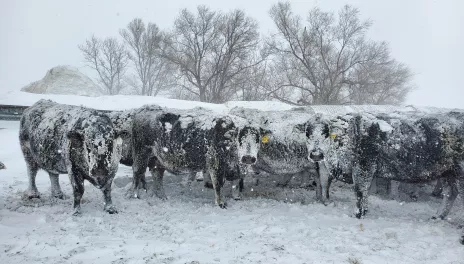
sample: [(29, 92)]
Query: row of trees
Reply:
[(213, 56)]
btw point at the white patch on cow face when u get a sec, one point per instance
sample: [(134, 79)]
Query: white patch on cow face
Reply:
[(248, 145), (316, 141), (168, 127)]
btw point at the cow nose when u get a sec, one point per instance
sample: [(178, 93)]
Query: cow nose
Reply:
[(248, 159), (316, 156)]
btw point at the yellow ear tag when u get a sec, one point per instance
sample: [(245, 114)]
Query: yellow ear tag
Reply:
[(265, 139), (333, 135)]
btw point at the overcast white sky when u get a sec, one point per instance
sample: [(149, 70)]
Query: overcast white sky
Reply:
[(37, 35)]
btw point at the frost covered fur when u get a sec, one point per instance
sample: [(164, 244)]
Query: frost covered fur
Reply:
[(284, 151), (188, 141), (407, 147), (74, 140)]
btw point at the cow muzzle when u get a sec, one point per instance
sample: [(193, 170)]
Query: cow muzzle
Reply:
[(249, 160), (316, 156)]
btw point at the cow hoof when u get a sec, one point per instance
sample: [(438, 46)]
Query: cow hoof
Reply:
[(328, 202), (32, 194), (77, 212), (132, 194), (461, 240), (162, 197), (223, 205), (238, 198), (111, 210), (59, 195), (360, 215), (438, 217)]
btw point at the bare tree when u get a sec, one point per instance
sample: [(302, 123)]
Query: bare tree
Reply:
[(379, 84), (152, 69), (213, 51), (109, 58), (317, 62)]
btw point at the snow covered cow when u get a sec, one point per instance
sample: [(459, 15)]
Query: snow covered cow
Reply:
[(74, 140), (409, 147), (190, 141), (282, 150)]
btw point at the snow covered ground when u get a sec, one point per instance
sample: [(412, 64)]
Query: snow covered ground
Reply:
[(271, 225)]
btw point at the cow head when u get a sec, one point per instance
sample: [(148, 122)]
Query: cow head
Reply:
[(99, 148), (317, 132), (326, 137), (249, 141)]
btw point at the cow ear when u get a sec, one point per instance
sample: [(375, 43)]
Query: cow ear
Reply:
[(75, 135)]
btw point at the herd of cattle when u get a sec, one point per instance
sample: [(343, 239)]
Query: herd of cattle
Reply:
[(411, 146)]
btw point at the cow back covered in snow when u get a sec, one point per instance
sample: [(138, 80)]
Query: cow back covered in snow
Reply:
[(185, 141), (69, 139)]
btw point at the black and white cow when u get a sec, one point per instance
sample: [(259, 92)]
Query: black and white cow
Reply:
[(189, 141), (406, 147), (282, 150), (122, 123), (69, 139)]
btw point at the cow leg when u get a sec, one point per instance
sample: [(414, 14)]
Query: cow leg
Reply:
[(437, 191), (217, 185), (362, 181), (449, 198), (413, 191), (306, 179), (394, 190), (322, 181), (77, 183), (237, 187), (138, 180), (373, 188), (328, 187), (32, 169), (460, 171), (192, 176), (207, 180), (318, 188), (109, 207), (158, 188), (56, 188)]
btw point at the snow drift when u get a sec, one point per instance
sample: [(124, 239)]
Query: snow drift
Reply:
[(64, 80)]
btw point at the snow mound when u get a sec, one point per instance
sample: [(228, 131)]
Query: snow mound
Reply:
[(64, 80)]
